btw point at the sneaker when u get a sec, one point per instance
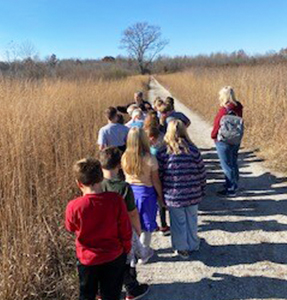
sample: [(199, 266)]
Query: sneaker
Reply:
[(145, 259), (138, 292), (226, 193), (196, 250), (165, 231), (184, 254)]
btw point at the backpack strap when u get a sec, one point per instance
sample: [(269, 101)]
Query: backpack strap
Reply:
[(230, 112)]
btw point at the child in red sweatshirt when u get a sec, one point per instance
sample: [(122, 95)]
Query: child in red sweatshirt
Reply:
[(103, 233)]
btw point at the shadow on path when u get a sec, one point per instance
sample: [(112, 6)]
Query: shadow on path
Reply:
[(231, 255), (259, 187), (240, 226), (245, 158), (257, 199), (222, 287)]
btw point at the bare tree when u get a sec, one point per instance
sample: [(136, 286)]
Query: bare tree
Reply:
[(143, 43), (27, 50), (23, 51), (11, 51)]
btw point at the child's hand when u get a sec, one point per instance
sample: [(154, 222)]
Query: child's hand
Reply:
[(161, 202)]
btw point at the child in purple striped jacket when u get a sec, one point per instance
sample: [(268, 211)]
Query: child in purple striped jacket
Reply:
[(183, 178)]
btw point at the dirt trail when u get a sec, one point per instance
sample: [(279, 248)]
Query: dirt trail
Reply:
[(243, 252)]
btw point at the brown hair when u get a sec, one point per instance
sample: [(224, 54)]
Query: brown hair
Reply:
[(111, 113), (151, 120), (170, 101), (88, 171), (120, 119), (164, 108), (139, 93), (110, 158), (153, 132)]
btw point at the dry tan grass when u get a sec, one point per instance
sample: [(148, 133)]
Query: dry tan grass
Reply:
[(261, 89), (45, 127)]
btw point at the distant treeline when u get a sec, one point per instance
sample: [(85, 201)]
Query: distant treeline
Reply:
[(114, 68), (70, 69), (180, 63)]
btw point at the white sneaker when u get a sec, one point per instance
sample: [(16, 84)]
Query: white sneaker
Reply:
[(145, 259)]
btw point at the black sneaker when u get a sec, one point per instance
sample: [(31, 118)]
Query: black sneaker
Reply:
[(165, 231), (226, 193), (184, 254), (138, 292)]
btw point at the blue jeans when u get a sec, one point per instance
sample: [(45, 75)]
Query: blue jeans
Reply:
[(183, 227), (228, 155)]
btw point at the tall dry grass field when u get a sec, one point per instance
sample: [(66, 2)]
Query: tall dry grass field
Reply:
[(262, 91), (45, 127)]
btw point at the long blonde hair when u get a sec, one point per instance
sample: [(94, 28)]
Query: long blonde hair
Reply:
[(137, 148), (176, 138), (227, 95)]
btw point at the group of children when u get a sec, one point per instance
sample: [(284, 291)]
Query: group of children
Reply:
[(147, 163)]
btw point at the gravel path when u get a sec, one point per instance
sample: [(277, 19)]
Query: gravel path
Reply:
[(243, 252)]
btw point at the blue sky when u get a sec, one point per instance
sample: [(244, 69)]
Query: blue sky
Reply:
[(93, 28)]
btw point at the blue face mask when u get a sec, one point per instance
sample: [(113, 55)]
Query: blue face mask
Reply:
[(153, 150), (138, 124)]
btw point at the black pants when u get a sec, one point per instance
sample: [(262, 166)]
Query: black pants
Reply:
[(106, 278), (130, 279), (162, 213)]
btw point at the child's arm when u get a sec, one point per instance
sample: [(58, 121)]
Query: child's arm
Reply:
[(123, 109), (157, 185), (135, 220), (101, 140), (187, 123), (70, 219), (201, 171), (185, 120), (129, 198), (125, 228)]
